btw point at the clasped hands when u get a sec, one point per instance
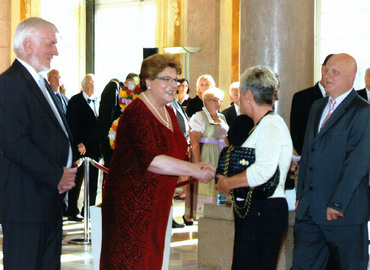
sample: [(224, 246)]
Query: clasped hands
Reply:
[(68, 180), (205, 172)]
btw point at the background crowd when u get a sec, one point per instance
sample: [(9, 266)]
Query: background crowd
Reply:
[(164, 136)]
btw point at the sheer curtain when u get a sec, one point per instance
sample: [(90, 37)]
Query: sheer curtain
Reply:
[(122, 29), (343, 26)]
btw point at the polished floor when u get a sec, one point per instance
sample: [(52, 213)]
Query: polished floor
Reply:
[(184, 245)]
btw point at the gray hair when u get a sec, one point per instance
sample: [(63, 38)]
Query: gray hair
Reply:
[(213, 92), (261, 81), (83, 82), (27, 29), (233, 86)]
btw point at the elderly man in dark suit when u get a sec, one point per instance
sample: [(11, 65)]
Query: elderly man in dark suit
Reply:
[(365, 92), (301, 105), (55, 82), (36, 153), (333, 184), (82, 116), (233, 110)]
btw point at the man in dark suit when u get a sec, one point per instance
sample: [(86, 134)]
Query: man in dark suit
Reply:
[(82, 116), (301, 105), (333, 184), (365, 92), (55, 83), (109, 110), (233, 110), (35, 153), (240, 125)]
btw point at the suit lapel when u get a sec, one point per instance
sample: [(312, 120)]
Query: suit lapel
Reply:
[(317, 112), (32, 84), (88, 108), (317, 92), (233, 111), (61, 114), (337, 114)]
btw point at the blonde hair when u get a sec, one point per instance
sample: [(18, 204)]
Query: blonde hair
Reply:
[(205, 77)]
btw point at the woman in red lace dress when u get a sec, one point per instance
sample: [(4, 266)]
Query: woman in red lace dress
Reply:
[(147, 160)]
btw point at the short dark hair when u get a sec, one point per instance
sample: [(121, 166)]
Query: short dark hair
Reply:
[(184, 80), (327, 59)]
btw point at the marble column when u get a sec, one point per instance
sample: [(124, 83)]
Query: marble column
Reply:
[(203, 30), (279, 34)]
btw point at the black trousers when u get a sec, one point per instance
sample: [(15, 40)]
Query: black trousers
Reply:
[(74, 193), (32, 246), (258, 236), (314, 243)]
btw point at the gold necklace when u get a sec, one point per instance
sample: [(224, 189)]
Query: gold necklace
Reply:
[(165, 112)]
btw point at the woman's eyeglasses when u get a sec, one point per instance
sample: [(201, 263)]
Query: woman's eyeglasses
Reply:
[(215, 100), (168, 79)]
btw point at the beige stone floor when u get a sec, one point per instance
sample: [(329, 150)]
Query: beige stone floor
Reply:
[(184, 244)]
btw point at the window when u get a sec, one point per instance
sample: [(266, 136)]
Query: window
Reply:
[(66, 19), (122, 29), (343, 27)]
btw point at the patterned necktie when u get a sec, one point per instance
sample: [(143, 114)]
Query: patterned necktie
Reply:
[(331, 110), (61, 103), (52, 105)]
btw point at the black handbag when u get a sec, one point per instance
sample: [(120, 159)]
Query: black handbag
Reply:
[(234, 160)]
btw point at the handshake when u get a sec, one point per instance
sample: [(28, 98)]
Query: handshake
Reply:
[(204, 172)]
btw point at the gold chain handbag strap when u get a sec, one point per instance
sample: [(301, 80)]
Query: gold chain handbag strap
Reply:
[(248, 200)]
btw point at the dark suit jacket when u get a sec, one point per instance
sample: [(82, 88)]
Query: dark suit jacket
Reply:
[(335, 163), (34, 149), (239, 131), (84, 126), (230, 115), (194, 105), (301, 105), (362, 93), (109, 111)]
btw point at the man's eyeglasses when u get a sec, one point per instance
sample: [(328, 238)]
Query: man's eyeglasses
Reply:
[(168, 79)]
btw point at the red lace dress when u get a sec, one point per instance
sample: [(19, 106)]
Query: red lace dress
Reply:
[(136, 203)]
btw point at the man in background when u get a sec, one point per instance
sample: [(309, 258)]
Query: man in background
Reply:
[(365, 92), (55, 83), (35, 153), (233, 110), (82, 116), (301, 105)]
